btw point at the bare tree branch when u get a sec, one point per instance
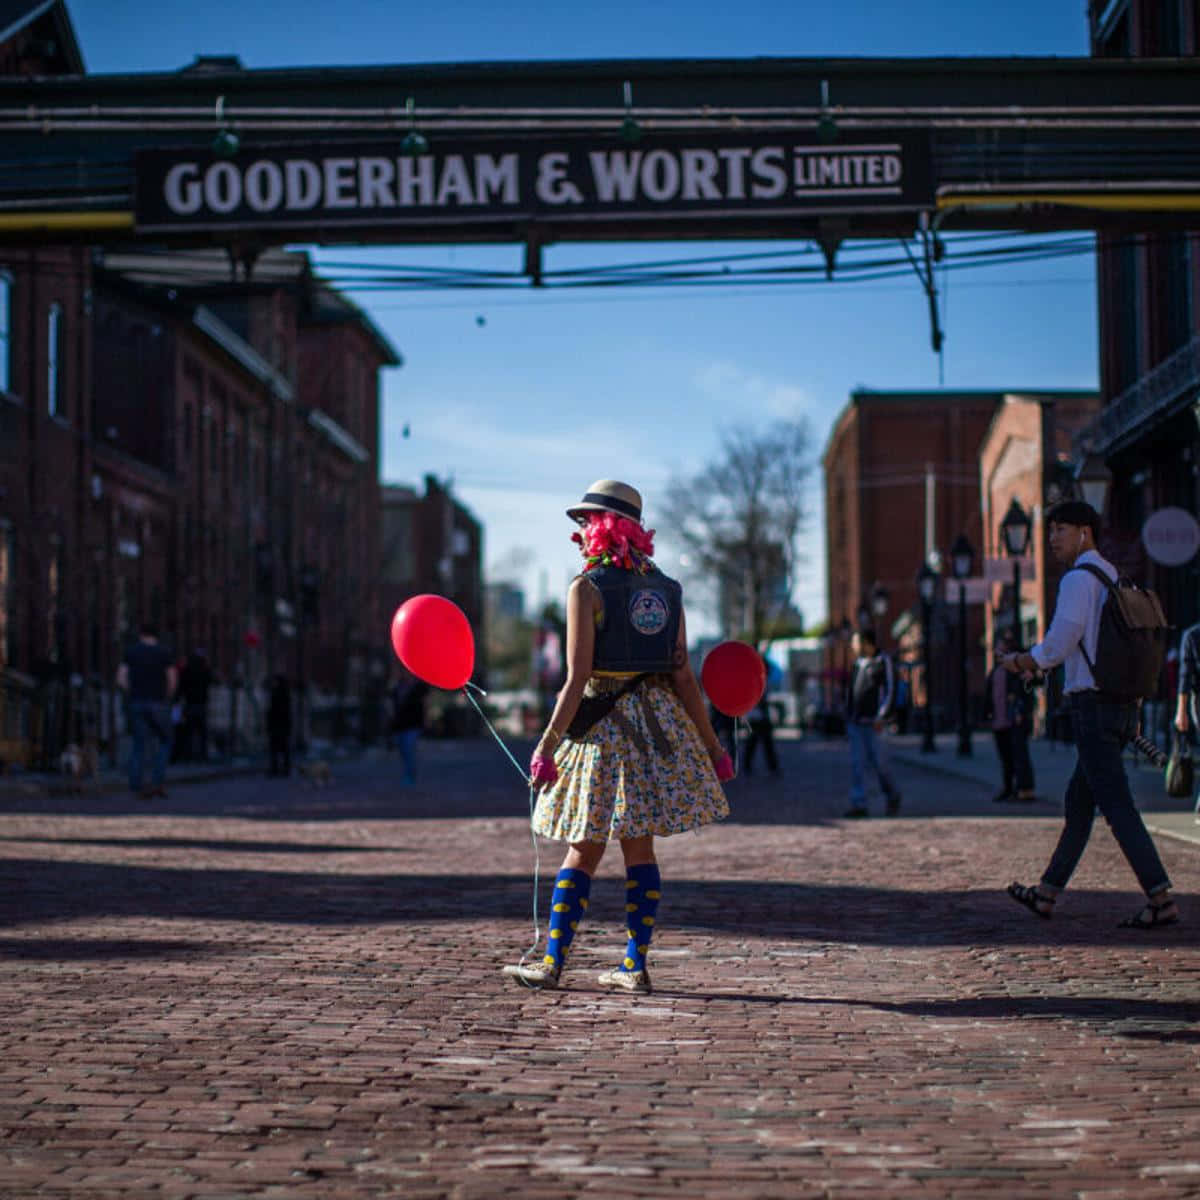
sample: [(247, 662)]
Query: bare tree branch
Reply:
[(739, 522)]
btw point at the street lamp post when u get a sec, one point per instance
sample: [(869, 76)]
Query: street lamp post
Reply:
[(962, 559), (1014, 530), (927, 579), (1093, 479), (879, 601)]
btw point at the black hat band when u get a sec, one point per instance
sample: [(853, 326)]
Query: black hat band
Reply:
[(630, 510)]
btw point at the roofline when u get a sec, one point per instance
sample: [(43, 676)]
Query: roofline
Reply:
[(584, 71), (241, 352), (973, 393), (66, 31)]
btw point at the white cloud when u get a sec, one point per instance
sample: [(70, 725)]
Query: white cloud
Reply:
[(743, 390)]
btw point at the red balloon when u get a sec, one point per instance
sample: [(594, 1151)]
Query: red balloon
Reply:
[(735, 677), (432, 638)]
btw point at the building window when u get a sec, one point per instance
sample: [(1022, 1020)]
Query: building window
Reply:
[(8, 595), (53, 346), (54, 575), (1178, 290), (6, 291)]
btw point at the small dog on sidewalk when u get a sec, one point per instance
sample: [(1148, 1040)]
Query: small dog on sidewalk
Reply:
[(79, 764), (317, 773)]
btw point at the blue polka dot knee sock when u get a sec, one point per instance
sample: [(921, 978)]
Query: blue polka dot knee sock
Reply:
[(642, 894), (567, 906)]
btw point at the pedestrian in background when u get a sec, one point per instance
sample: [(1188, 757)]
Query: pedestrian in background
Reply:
[(279, 726), (869, 697), (408, 719), (762, 730), (148, 678), (1188, 702), (194, 682), (1008, 707), (629, 753), (1103, 726)]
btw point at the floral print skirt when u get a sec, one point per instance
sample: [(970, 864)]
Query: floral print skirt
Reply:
[(642, 769)]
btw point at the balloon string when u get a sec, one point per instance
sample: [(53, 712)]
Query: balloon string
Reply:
[(492, 728), (537, 860)]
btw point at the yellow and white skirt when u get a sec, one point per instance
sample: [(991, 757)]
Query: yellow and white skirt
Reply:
[(640, 770)]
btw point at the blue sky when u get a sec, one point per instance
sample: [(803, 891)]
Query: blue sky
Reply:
[(524, 398)]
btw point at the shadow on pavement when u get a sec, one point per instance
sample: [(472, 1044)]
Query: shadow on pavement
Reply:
[(37, 891), (1127, 1016), (60, 949), (224, 846)]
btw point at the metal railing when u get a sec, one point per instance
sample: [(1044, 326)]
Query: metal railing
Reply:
[(1157, 390)]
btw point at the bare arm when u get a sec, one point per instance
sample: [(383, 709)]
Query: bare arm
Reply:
[(172, 680), (683, 680), (123, 677), (582, 599)]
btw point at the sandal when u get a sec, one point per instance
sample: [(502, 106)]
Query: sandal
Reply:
[(1032, 899), (1151, 915)]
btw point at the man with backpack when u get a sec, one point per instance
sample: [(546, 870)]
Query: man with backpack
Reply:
[(1110, 636)]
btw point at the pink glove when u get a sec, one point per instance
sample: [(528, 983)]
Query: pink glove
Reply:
[(724, 766), (542, 770)]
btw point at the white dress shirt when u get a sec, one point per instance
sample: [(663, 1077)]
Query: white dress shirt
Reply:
[(1076, 621)]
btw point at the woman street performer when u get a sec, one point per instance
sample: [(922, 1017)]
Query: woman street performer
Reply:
[(630, 753)]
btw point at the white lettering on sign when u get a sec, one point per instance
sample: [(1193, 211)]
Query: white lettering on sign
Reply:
[(865, 168), (1171, 536), (302, 184), (182, 189), (655, 176)]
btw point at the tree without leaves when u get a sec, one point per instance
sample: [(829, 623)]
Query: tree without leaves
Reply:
[(739, 522)]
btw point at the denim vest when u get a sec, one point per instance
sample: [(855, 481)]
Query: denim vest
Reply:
[(640, 622)]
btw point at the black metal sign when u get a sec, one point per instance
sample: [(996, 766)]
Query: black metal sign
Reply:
[(574, 178)]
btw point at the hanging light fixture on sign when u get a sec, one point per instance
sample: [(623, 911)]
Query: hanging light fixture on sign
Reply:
[(827, 129), (631, 131), (414, 143), (225, 143)]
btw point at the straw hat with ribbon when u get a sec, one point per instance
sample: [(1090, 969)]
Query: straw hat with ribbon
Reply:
[(608, 495)]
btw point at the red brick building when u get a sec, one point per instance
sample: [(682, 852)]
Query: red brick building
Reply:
[(194, 451), (901, 484), (431, 543), (1148, 277), (1019, 460)]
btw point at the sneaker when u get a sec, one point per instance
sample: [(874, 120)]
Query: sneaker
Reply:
[(893, 805), (628, 981), (857, 813), (1026, 797), (533, 975)]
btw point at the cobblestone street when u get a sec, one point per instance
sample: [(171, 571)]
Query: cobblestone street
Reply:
[(262, 988)]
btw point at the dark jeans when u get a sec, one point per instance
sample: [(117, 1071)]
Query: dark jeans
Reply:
[(1012, 744), (761, 731), (195, 722), (1102, 728), (149, 719), (281, 752)]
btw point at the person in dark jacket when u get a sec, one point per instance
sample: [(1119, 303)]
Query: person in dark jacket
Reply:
[(762, 731), (194, 682), (629, 754), (1008, 708), (148, 678), (408, 719), (869, 701), (279, 726)]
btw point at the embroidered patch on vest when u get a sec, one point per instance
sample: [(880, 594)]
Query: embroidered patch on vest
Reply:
[(648, 612)]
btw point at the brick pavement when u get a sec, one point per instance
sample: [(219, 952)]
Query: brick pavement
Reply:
[(261, 989)]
